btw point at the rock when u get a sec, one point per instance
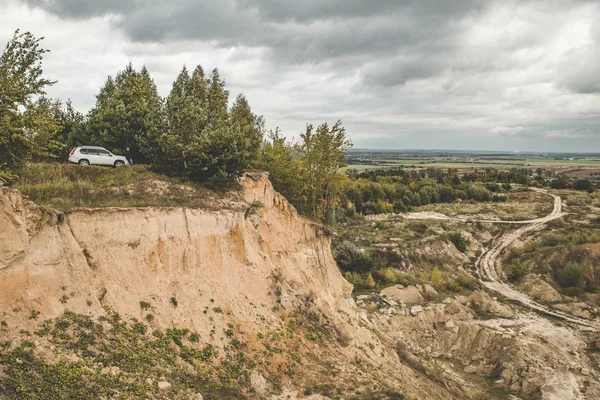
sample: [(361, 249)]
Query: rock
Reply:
[(585, 371), (449, 324), (149, 381), (414, 310), (350, 301), (447, 300), (197, 396), (362, 297), (389, 302), (470, 369), (400, 293), (454, 307), (164, 385), (485, 303), (507, 375), (536, 288), (259, 384), (429, 290)]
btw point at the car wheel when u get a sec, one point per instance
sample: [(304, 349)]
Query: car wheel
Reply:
[(84, 162), (119, 163)]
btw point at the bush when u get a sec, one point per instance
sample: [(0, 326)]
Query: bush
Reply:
[(436, 276), (466, 281), (389, 276), (460, 242), (351, 258), (570, 276), (557, 223), (370, 282), (553, 239), (515, 272)]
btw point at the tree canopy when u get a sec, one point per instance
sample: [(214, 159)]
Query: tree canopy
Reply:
[(27, 127)]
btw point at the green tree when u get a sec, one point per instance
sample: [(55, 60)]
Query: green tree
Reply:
[(186, 118), (201, 140), (129, 113), (282, 160), (26, 125), (323, 154), (250, 126), (73, 130), (217, 97)]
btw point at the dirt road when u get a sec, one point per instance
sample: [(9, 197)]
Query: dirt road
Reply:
[(491, 279)]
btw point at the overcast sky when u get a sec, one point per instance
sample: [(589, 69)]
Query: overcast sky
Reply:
[(431, 74)]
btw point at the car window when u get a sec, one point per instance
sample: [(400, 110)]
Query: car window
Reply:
[(92, 152), (103, 152), (83, 151)]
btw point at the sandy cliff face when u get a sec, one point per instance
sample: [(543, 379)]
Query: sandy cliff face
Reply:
[(118, 257)]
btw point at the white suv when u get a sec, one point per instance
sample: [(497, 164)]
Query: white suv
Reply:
[(86, 155)]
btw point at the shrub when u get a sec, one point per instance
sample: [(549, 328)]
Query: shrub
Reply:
[(370, 282), (466, 281), (354, 278), (389, 276), (530, 247), (556, 224), (144, 305), (570, 276), (436, 276), (351, 258), (553, 239), (515, 272), (460, 242)]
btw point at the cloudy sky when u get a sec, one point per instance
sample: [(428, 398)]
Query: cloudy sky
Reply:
[(431, 74)]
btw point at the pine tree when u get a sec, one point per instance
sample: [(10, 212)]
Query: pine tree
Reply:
[(72, 130), (217, 97), (129, 113), (249, 126)]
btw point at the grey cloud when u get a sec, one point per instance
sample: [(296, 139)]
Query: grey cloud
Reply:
[(578, 72), (81, 9), (413, 73), (399, 71)]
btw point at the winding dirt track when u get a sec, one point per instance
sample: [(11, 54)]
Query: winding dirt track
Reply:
[(488, 274)]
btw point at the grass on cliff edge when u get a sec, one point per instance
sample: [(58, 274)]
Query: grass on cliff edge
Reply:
[(64, 186)]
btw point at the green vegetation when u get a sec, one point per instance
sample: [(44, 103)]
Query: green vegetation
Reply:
[(308, 173), (116, 362), (253, 209), (515, 272), (63, 186), (570, 277), (458, 240), (23, 107)]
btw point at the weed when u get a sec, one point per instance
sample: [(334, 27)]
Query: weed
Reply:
[(173, 301), (144, 305), (34, 314), (253, 209)]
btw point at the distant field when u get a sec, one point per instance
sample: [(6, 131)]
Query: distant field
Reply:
[(504, 163)]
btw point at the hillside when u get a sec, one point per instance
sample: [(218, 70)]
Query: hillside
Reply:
[(174, 302)]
